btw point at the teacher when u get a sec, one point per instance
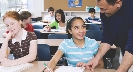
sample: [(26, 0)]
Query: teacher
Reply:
[(117, 24)]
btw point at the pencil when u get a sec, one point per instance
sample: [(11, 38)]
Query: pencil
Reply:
[(47, 67)]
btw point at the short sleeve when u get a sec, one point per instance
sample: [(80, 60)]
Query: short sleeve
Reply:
[(46, 17), (32, 36), (53, 24), (95, 47), (63, 47)]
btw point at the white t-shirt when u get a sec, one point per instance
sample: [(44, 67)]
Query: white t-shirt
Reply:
[(62, 28), (49, 18)]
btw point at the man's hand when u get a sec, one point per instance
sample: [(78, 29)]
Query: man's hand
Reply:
[(91, 64)]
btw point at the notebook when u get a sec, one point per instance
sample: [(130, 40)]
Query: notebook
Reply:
[(69, 69), (17, 68)]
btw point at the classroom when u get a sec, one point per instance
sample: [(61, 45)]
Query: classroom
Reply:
[(66, 36)]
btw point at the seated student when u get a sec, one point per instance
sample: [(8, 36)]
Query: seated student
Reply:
[(59, 21), (49, 18), (26, 20), (21, 43), (79, 49), (92, 16)]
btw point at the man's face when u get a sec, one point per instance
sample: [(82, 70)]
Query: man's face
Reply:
[(108, 9)]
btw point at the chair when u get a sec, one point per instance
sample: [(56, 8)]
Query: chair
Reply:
[(37, 26), (37, 32), (57, 36), (62, 61), (39, 18), (43, 52), (108, 58), (94, 34), (93, 27)]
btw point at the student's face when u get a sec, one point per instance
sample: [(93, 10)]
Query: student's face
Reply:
[(108, 9), (78, 29), (51, 13), (92, 14), (28, 20), (58, 17), (12, 25)]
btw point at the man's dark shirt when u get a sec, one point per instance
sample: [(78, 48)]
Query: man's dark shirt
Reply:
[(118, 29)]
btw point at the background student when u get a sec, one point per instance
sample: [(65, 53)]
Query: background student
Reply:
[(26, 20), (92, 16), (50, 17), (59, 21), (79, 49), (21, 43)]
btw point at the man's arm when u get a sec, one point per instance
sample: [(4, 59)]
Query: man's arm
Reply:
[(128, 56), (105, 38), (126, 62), (102, 50)]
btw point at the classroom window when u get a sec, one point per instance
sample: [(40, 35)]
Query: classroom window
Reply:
[(17, 5)]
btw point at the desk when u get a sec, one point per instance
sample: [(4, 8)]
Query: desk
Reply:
[(39, 66), (39, 23), (53, 31), (98, 23), (44, 34), (57, 42), (53, 42)]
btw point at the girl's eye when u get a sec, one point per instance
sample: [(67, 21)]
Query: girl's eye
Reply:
[(75, 27), (84, 26)]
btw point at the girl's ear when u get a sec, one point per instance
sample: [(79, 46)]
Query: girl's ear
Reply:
[(70, 31)]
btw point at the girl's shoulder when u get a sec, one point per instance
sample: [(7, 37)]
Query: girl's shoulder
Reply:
[(90, 41)]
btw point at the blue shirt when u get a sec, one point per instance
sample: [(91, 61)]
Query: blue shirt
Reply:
[(75, 54), (89, 19), (118, 29)]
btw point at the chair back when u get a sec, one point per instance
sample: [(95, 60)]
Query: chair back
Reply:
[(93, 27), (35, 26), (37, 32), (43, 52), (94, 34)]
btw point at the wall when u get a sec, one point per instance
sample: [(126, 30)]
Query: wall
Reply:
[(36, 7)]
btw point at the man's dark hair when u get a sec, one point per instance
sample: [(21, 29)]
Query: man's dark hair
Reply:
[(91, 10), (111, 2), (25, 15), (50, 9)]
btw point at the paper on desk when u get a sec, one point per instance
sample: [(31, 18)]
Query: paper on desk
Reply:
[(69, 69)]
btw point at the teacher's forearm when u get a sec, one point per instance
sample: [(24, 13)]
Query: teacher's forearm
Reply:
[(104, 47), (127, 61)]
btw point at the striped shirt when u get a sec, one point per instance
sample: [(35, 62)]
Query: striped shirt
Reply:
[(75, 54)]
